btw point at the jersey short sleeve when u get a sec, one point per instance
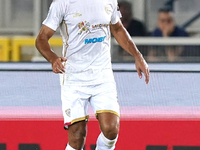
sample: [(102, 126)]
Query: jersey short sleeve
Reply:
[(56, 14), (116, 14)]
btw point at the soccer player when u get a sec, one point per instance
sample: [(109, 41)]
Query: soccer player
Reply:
[(86, 75)]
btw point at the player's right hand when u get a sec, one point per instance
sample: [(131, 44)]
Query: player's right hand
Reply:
[(57, 65)]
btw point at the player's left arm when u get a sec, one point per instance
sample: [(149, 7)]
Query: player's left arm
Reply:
[(126, 42)]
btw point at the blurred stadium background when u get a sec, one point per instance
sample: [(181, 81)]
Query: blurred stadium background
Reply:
[(164, 115), (20, 22)]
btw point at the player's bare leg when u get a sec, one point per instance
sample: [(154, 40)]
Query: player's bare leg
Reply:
[(76, 135), (109, 125)]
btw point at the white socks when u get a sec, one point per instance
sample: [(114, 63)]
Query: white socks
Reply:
[(105, 144), (102, 143), (70, 148)]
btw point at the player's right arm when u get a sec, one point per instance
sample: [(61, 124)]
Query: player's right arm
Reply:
[(50, 24), (44, 48)]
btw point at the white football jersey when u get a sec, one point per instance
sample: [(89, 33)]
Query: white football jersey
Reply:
[(84, 27)]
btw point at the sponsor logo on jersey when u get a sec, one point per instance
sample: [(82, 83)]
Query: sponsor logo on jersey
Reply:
[(95, 40), (77, 15), (85, 26)]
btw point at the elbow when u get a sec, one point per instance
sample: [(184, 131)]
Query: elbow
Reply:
[(36, 42), (39, 40)]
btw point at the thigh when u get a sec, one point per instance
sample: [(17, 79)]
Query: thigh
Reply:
[(74, 104), (104, 99)]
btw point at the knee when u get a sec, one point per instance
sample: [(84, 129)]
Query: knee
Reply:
[(110, 130)]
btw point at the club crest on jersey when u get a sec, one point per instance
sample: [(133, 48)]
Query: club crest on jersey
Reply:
[(108, 9), (68, 112)]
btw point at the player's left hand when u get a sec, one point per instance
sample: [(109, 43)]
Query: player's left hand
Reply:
[(142, 66)]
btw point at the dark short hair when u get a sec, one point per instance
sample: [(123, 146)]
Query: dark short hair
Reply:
[(126, 4), (165, 9)]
